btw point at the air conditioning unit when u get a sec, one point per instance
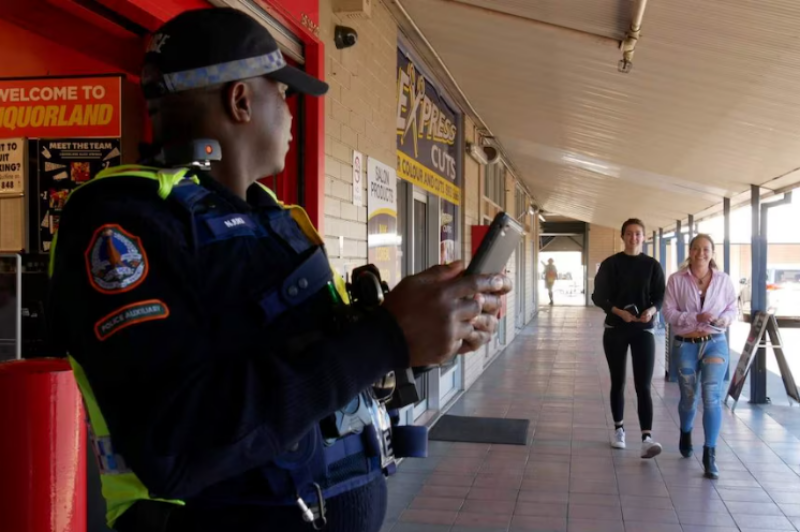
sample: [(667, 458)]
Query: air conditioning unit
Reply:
[(353, 9), (485, 155)]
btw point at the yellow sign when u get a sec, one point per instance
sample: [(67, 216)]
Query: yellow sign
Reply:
[(424, 177)]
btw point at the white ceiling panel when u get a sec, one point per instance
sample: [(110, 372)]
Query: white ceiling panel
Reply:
[(712, 104)]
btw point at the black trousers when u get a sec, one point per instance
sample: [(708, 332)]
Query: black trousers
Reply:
[(643, 354), (360, 510)]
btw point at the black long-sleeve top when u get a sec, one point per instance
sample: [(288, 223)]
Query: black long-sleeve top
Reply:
[(629, 279)]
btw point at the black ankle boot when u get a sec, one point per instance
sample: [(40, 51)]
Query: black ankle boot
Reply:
[(709, 463), (685, 444)]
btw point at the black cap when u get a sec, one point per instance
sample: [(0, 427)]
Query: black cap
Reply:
[(205, 47)]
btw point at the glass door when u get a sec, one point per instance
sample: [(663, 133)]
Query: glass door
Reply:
[(420, 245)]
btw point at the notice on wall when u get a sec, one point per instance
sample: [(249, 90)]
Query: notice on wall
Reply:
[(358, 185), (12, 166), (427, 134), (382, 239), (61, 107), (64, 164)]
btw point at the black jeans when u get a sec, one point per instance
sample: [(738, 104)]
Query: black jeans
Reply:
[(643, 354)]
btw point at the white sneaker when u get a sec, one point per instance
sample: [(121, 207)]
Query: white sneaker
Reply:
[(619, 439), (650, 449)]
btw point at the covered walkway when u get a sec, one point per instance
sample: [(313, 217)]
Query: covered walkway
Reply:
[(568, 478)]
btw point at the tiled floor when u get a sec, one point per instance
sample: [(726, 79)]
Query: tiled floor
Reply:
[(568, 479)]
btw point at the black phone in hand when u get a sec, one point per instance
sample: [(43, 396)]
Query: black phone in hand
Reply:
[(633, 309)]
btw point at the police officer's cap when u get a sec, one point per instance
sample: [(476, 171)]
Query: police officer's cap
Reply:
[(206, 47)]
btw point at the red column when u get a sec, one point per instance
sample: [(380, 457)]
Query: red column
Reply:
[(42, 448)]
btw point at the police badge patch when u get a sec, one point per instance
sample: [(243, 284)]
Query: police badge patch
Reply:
[(115, 260)]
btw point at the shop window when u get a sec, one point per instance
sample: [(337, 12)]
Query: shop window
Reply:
[(520, 203), (495, 184)]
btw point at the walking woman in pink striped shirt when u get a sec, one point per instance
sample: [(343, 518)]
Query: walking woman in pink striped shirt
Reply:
[(699, 305)]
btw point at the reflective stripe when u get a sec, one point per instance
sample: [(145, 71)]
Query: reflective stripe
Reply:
[(109, 462), (121, 487)]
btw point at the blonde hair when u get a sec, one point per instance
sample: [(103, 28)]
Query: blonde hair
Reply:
[(712, 263)]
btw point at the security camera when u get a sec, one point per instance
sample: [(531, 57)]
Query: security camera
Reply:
[(344, 37), (486, 155)]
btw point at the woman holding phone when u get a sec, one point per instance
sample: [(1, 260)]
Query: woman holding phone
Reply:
[(629, 287), (700, 304)]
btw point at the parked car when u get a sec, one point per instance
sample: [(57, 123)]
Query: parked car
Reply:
[(783, 293)]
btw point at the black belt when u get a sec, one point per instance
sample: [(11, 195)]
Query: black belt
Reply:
[(697, 340)]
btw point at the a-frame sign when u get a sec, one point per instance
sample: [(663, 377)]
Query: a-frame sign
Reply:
[(763, 322)]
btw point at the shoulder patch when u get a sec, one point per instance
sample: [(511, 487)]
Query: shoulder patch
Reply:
[(122, 318), (115, 260)]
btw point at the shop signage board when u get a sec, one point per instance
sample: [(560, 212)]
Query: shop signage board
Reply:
[(763, 323), (64, 164), (61, 107), (13, 162), (382, 239), (427, 134)]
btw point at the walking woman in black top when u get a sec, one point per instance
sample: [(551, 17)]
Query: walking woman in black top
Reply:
[(630, 288)]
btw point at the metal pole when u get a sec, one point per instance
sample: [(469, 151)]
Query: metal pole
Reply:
[(691, 227), (758, 384), (726, 262), (758, 285), (655, 246), (662, 259), (588, 296), (681, 251)]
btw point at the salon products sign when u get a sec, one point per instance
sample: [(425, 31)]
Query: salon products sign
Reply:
[(427, 133), (383, 240), (61, 107)]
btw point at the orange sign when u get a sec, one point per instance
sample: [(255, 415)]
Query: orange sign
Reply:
[(61, 107)]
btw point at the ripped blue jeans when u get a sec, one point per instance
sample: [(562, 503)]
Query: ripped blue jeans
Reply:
[(702, 367)]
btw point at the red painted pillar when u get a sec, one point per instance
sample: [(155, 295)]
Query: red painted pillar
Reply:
[(42, 448)]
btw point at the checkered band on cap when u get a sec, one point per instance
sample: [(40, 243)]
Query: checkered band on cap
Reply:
[(224, 72)]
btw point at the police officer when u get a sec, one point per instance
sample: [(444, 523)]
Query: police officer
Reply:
[(205, 325)]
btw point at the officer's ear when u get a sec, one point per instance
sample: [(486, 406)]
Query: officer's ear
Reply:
[(239, 101)]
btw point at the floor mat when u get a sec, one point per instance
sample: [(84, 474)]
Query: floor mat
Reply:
[(480, 430)]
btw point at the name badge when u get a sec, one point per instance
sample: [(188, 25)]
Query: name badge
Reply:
[(231, 225)]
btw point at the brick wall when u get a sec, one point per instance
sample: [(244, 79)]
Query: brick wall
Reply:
[(360, 115), (603, 242), (471, 197)]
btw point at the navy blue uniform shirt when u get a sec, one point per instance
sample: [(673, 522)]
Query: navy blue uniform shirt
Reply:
[(198, 389)]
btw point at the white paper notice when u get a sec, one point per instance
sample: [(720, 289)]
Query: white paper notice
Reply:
[(358, 185)]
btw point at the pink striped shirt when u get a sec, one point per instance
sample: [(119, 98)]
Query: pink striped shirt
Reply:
[(682, 302)]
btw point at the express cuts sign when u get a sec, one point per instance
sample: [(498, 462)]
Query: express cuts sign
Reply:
[(56, 107), (427, 130)]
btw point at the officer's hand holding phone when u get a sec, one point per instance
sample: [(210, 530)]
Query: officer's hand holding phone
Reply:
[(440, 314), (444, 312)]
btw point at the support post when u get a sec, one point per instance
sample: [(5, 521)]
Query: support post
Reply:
[(679, 242), (726, 262), (691, 227), (758, 285)]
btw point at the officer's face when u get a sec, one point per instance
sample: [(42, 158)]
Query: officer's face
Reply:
[(274, 122)]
